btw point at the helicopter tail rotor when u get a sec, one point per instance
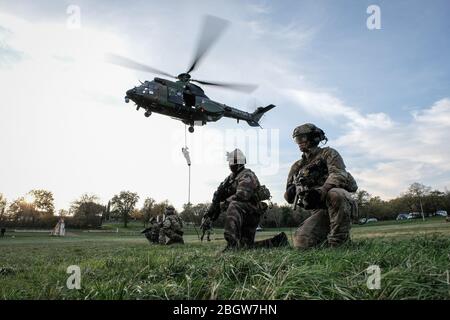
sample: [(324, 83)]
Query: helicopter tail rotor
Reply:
[(257, 115)]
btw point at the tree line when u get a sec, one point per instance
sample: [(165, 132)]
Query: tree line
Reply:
[(37, 210)]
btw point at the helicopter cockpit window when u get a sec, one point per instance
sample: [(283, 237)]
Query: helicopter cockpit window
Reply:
[(175, 96), (146, 90)]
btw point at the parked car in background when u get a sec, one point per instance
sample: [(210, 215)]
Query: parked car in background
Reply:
[(367, 220), (414, 215), (441, 213), (402, 216)]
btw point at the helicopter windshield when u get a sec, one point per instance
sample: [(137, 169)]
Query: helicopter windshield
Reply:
[(196, 90)]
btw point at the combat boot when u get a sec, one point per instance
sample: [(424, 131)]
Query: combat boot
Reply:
[(280, 240), (172, 241)]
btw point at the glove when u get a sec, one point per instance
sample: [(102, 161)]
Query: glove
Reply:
[(290, 193)]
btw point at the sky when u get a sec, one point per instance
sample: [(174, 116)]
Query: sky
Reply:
[(382, 96)]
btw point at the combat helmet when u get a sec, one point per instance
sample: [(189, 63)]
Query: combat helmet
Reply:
[(170, 210), (236, 157), (309, 132)]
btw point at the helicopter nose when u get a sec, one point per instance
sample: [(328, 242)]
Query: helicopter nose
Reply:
[(130, 95), (131, 92)]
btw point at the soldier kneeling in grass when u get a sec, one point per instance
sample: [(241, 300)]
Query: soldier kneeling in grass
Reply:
[(172, 228), (241, 197), (152, 232), (320, 183)]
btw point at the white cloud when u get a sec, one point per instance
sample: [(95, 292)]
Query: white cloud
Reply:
[(386, 156)]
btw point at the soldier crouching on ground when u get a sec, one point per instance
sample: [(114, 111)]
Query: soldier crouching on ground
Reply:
[(320, 183), (171, 228), (240, 195), (152, 232)]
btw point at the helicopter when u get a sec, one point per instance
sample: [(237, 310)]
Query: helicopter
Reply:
[(181, 99)]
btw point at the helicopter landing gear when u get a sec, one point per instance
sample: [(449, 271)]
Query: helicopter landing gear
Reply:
[(147, 114), (191, 129), (127, 99), (137, 107)]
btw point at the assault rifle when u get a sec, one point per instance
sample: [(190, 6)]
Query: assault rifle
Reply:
[(311, 176), (221, 194)]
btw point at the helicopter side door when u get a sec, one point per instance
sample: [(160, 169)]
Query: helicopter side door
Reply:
[(175, 96), (162, 94)]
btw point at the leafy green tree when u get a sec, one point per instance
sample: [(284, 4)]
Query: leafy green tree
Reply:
[(194, 213), (107, 213), (87, 210), (23, 212), (362, 198), (148, 210), (160, 208), (3, 204), (63, 213), (136, 215), (124, 204), (417, 192), (43, 201)]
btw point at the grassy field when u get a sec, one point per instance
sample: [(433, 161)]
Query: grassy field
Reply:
[(414, 258)]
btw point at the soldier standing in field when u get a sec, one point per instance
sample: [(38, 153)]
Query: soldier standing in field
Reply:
[(319, 182), (206, 228), (171, 228), (241, 196)]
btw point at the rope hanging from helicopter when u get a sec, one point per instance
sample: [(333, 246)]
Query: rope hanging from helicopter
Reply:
[(185, 151)]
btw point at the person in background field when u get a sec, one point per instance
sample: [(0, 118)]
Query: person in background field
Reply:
[(172, 228), (206, 228)]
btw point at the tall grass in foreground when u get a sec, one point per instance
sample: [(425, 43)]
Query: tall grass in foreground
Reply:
[(412, 268)]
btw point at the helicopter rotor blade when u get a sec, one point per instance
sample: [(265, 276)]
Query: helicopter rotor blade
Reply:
[(130, 64), (212, 29), (247, 88)]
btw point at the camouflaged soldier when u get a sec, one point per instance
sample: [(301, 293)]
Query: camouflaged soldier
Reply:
[(240, 196), (171, 228), (320, 183), (206, 228), (152, 232)]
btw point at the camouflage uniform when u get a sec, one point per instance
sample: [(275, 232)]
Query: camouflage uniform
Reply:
[(206, 229), (172, 228), (152, 232), (243, 209), (331, 217)]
